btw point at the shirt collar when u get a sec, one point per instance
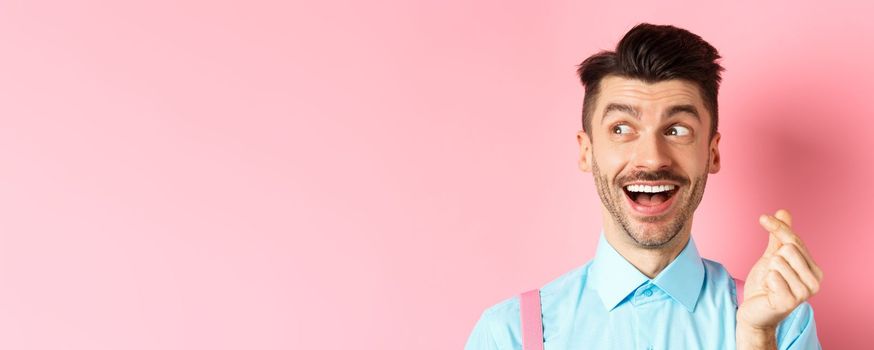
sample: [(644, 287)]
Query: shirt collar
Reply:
[(615, 278)]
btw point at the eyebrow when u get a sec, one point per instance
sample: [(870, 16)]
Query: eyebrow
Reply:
[(634, 112)]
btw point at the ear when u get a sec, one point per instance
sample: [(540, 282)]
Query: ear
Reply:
[(715, 161), (585, 161)]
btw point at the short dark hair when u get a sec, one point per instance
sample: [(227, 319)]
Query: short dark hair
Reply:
[(654, 53)]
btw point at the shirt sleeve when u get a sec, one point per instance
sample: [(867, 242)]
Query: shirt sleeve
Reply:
[(798, 330), (481, 337)]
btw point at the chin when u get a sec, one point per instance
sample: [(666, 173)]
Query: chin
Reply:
[(653, 234)]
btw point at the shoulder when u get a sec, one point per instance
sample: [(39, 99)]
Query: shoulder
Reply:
[(715, 271), (571, 282), (496, 326), (717, 276), (502, 311), (501, 320), (718, 280), (563, 285), (566, 284)]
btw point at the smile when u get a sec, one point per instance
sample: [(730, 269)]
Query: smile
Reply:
[(650, 198)]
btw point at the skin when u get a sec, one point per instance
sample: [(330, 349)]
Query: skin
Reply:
[(647, 144)]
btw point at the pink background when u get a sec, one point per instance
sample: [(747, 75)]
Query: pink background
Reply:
[(373, 174)]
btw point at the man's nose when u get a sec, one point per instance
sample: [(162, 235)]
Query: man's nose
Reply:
[(651, 153)]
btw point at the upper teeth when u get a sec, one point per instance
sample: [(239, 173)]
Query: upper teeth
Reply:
[(650, 189)]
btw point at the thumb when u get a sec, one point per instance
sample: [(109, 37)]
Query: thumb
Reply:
[(773, 244)]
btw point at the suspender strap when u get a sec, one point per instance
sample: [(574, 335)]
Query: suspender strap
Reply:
[(532, 326), (532, 323), (740, 290)]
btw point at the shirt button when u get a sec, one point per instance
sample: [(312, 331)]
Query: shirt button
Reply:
[(648, 292)]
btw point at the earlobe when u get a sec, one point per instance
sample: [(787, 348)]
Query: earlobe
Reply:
[(585, 160), (715, 160)]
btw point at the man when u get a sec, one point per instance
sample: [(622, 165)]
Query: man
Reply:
[(650, 140)]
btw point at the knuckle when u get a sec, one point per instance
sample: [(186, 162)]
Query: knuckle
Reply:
[(791, 248), (779, 261), (814, 288), (803, 294), (788, 304), (787, 250)]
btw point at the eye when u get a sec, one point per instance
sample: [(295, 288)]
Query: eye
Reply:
[(621, 129), (679, 130)]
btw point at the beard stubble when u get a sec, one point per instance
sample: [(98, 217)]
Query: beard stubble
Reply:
[(655, 237)]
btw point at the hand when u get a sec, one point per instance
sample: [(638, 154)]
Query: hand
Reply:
[(783, 278)]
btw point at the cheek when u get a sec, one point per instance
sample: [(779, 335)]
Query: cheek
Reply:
[(611, 161), (694, 163)]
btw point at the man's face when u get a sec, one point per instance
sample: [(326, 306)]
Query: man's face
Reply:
[(650, 152)]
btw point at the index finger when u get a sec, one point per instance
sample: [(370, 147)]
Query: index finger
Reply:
[(780, 230), (786, 236)]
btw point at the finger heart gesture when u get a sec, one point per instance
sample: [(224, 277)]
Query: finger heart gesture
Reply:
[(783, 278)]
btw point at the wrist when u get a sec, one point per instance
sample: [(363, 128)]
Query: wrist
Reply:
[(751, 337)]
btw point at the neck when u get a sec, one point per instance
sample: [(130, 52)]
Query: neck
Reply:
[(648, 260)]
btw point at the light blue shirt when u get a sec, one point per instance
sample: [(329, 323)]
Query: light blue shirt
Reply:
[(608, 304)]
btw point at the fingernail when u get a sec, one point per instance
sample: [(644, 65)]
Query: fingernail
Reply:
[(768, 222)]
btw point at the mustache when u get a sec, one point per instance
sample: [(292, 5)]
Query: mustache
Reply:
[(659, 175)]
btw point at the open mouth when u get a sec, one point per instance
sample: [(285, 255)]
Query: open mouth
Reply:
[(650, 199)]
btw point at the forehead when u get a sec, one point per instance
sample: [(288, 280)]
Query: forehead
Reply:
[(659, 95)]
